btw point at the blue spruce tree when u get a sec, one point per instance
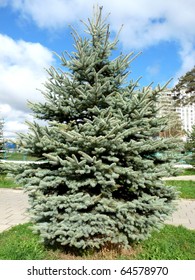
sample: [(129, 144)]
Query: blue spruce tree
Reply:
[(99, 181)]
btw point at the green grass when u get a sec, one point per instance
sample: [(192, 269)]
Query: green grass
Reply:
[(19, 243), (20, 156), (6, 182), (171, 243), (186, 188), (14, 156), (190, 171)]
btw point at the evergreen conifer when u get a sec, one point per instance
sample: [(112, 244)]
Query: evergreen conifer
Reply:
[(184, 91), (190, 146), (99, 179)]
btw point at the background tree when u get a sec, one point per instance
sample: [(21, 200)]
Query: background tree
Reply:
[(173, 128), (167, 109), (184, 95), (185, 89), (1, 138), (190, 146), (99, 181)]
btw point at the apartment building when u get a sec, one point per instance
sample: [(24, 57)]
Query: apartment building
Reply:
[(186, 113)]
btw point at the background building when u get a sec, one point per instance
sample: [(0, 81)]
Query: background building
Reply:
[(185, 114)]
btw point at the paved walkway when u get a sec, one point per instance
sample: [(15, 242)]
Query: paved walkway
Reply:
[(181, 178), (13, 205), (184, 214)]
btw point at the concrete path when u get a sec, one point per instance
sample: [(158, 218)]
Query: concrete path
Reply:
[(13, 205), (181, 178), (184, 214)]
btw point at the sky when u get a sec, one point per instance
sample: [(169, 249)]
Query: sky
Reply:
[(32, 30)]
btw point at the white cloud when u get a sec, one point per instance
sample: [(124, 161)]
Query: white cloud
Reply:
[(11, 129), (5, 109), (22, 71), (51, 13), (14, 120), (187, 54), (146, 23)]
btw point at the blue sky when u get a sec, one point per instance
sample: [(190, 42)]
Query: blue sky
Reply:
[(30, 30)]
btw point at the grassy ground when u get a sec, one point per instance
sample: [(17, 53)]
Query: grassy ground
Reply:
[(19, 156), (171, 243), (15, 156), (6, 182), (186, 188), (19, 243), (190, 171)]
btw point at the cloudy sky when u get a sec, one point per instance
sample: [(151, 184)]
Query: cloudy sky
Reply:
[(31, 30)]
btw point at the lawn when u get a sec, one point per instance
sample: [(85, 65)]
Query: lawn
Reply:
[(189, 171), (171, 243), (6, 182), (186, 188), (19, 156)]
